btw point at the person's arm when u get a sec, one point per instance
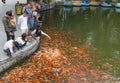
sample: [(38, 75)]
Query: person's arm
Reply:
[(43, 33), (11, 49), (32, 35), (24, 43), (19, 20), (23, 10)]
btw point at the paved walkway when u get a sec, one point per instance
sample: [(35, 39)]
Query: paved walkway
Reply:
[(10, 5)]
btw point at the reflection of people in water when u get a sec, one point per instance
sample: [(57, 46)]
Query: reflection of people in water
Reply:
[(4, 1)]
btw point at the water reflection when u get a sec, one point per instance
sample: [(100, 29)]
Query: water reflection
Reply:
[(75, 9), (99, 27), (84, 8), (105, 8), (93, 8), (117, 10)]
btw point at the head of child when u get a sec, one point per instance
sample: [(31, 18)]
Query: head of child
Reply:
[(15, 44), (24, 35)]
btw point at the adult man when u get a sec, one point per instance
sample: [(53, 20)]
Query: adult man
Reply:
[(8, 26), (29, 8), (9, 46)]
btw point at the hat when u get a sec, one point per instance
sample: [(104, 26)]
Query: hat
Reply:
[(9, 13)]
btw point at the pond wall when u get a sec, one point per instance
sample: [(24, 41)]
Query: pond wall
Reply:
[(19, 55)]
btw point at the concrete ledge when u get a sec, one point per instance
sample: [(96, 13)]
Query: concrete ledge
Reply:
[(19, 55)]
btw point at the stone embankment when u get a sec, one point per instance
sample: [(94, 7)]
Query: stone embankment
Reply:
[(19, 55)]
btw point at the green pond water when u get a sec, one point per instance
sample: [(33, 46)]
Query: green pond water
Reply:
[(97, 26)]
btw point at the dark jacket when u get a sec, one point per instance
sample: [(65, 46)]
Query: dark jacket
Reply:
[(7, 25)]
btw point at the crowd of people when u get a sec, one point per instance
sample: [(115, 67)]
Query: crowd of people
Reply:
[(29, 22)]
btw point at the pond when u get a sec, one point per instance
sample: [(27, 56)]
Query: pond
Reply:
[(99, 27)]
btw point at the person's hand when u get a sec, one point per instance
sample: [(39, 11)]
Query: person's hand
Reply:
[(49, 38), (36, 40), (12, 53), (10, 33)]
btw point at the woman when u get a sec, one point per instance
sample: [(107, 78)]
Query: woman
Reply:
[(8, 26)]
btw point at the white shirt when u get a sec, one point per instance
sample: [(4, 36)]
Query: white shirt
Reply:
[(22, 21), (9, 45), (19, 40)]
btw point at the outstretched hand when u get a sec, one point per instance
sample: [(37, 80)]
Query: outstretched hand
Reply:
[(49, 38)]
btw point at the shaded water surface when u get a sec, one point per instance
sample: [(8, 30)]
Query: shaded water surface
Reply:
[(98, 27)]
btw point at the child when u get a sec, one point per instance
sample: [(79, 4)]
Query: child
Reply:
[(22, 40), (22, 22)]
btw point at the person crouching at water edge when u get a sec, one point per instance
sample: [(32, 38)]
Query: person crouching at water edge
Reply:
[(33, 33), (22, 40), (9, 47), (37, 28), (22, 22)]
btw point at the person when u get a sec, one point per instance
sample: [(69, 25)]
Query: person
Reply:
[(38, 25), (39, 8), (8, 26), (9, 47), (36, 31), (28, 8), (22, 40), (31, 17), (18, 8), (4, 1), (26, 5), (34, 15), (38, 21), (22, 22), (31, 35)]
